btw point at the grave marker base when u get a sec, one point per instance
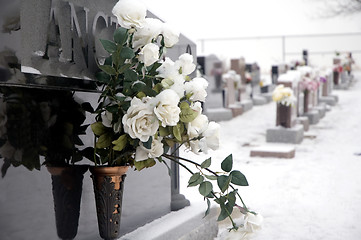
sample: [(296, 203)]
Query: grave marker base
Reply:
[(304, 121), (246, 105), (259, 100), (285, 135), (329, 100), (321, 108), (267, 96), (219, 114), (313, 116), (342, 86), (276, 151)]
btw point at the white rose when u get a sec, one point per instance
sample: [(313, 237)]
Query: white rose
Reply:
[(194, 146), (168, 69), (139, 121), (197, 87), (197, 126), (130, 13), (196, 106), (149, 54), (252, 222), (171, 37), (185, 64), (210, 138), (151, 30), (178, 86), (167, 110), (156, 150)]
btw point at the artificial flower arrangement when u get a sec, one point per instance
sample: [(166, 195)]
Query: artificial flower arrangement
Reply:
[(149, 104), (283, 95), (35, 123), (337, 68), (307, 84), (323, 79)]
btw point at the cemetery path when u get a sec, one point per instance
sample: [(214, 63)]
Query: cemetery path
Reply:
[(315, 195)]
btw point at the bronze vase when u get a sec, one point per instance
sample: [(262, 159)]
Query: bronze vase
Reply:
[(108, 185), (67, 184)]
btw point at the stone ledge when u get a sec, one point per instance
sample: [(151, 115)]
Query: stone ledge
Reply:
[(276, 151), (329, 100), (185, 224), (236, 110), (341, 86), (267, 96), (259, 100), (280, 134), (303, 121), (246, 105), (321, 108), (219, 114), (313, 116)]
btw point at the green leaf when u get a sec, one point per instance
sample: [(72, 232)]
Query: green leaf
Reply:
[(98, 128), (130, 75), (208, 207), (108, 61), (177, 131), (124, 67), (120, 143), (205, 188), (223, 182), (112, 109), (195, 179), (127, 53), (227, 163), (102, 77), (104, 141), (148, 144), (206, 163), (169, 142), (232, 198), (187, 114), (238, 178), (158, 88), (109, 46), (139, 165), (108, 69), (116, 59), (120, 35), (226, 211), (211, 177), (163, 131)]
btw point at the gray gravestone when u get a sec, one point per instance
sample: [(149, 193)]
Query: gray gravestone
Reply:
[(57, 47)]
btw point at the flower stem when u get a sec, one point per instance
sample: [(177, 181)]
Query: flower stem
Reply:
[(174, 159)]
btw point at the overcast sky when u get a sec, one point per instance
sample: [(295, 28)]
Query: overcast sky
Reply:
[(234, 18), (199, 19)]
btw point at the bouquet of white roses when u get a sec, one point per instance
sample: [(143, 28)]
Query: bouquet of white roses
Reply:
[(149, 104)]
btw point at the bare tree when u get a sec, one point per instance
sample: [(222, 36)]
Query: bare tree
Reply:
[(342, 7)]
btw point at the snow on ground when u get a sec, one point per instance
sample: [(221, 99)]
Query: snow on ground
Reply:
[(317, 194)]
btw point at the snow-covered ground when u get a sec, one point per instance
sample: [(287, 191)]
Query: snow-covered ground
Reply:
[(314, 196), (317, 194)]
